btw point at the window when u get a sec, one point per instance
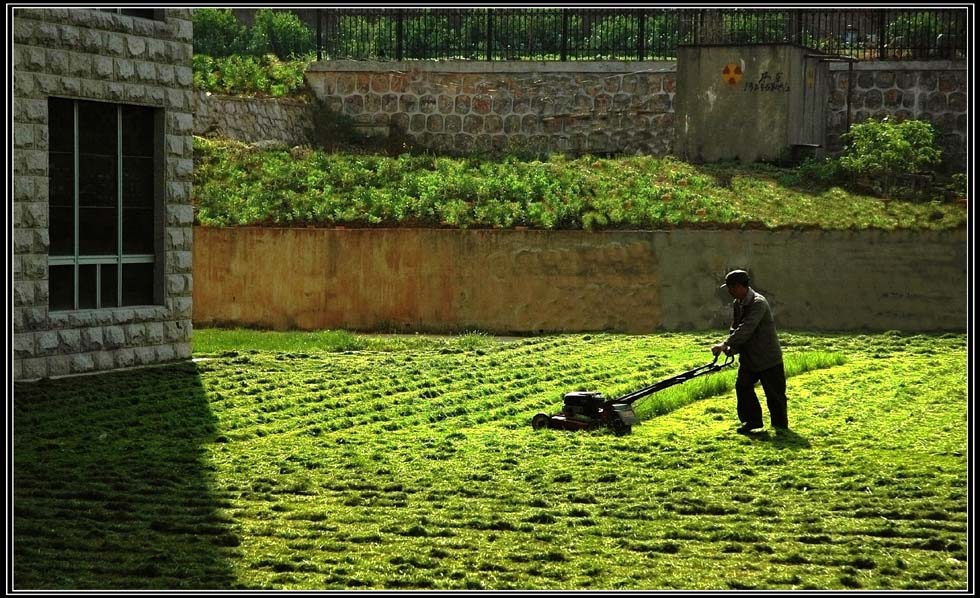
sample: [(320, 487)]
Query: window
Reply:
[(143, 13), (104, 169)]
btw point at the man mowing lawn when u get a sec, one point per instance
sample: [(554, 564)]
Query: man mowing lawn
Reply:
[(753, 337)]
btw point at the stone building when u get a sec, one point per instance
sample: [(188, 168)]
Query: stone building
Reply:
[(102, 216)]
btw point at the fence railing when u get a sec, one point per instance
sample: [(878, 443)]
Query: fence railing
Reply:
[(632, 34)]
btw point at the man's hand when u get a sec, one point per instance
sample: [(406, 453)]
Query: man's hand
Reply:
[(719, 348)]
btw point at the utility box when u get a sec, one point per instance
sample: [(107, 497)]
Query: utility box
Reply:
[(750, 102)]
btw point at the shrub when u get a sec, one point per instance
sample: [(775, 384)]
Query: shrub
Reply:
[(425, 37), (281, 33), (217, 32), (879, 153), (912, 35), (958, 184), (746, 27), (822, 172), (248, 75), (205, 72)]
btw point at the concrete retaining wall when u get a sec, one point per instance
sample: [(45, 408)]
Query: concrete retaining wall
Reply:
[(747, 102), (544, 281)]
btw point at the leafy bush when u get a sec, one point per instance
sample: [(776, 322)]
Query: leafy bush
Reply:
[(821, 172), (748, 26), (217, 32), (425, 36), (958, 184), (372, 39), (879, 153), (913, 34), (281, 33), (611, 36), (248, 75)]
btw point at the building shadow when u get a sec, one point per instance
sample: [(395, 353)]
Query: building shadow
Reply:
[(111, 485)]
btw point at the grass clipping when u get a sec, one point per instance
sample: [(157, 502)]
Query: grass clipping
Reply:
[(715, 384)]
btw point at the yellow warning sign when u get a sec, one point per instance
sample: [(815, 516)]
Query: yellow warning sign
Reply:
[(732, 73)]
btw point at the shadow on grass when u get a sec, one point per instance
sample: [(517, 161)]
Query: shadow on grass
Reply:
[(787, 177), (782, 439), (112, 489)]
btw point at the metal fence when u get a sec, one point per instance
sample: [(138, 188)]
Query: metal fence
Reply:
[(632, 34)]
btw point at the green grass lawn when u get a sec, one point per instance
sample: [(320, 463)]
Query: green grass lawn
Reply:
[(409, 462)]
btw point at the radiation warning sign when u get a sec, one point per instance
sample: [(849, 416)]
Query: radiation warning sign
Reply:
[(732, 73)]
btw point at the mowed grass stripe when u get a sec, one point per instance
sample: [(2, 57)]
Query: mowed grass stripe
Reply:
[(471, 505), (411, 399)]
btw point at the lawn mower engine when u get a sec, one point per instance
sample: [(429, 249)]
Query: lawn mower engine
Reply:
[(588, 410)]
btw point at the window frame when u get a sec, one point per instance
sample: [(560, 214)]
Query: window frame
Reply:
[(119, 259), (158, 13)]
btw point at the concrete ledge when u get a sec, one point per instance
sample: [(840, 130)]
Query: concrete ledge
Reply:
[(543, 66), (302, 101), (902, 65), (481, 66)]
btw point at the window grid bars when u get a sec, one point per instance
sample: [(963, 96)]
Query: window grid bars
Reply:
[(76, 260), (75, 202), (119, 208)]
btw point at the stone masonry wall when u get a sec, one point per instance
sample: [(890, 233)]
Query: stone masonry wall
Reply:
[(254, 119), (460, 107), (934, 91), (601, 107), (96, 55)]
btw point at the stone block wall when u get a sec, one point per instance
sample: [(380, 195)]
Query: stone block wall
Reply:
[(460, 107), (934, 91), (602, 107), (254, 119), (96, 55)]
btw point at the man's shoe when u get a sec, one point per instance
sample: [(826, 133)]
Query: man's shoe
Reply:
[(748, 428)]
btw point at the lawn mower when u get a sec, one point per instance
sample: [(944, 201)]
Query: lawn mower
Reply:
[(587, 410)]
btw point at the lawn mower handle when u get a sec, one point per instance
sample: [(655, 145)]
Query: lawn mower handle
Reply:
[(682, 377)]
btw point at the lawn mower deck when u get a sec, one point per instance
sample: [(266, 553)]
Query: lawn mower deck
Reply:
[(588, 410)]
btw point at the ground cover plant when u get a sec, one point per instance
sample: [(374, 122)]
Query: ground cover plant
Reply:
[(236, 184), (409, 462)]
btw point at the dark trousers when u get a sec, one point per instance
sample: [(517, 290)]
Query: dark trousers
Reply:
[(774, 385)]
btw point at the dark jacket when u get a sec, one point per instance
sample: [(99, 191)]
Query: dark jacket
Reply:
[(753, 333)]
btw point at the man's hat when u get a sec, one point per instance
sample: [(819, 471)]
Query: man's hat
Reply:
[(736, 276)]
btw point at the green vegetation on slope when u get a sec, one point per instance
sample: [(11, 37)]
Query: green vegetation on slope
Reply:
[(236, 185), (417, 468)]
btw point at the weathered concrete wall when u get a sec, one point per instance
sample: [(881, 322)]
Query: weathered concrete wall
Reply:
[(531, 107), (745, 102), (254, 119), (936, 91), (94, 55), (533, 281)]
